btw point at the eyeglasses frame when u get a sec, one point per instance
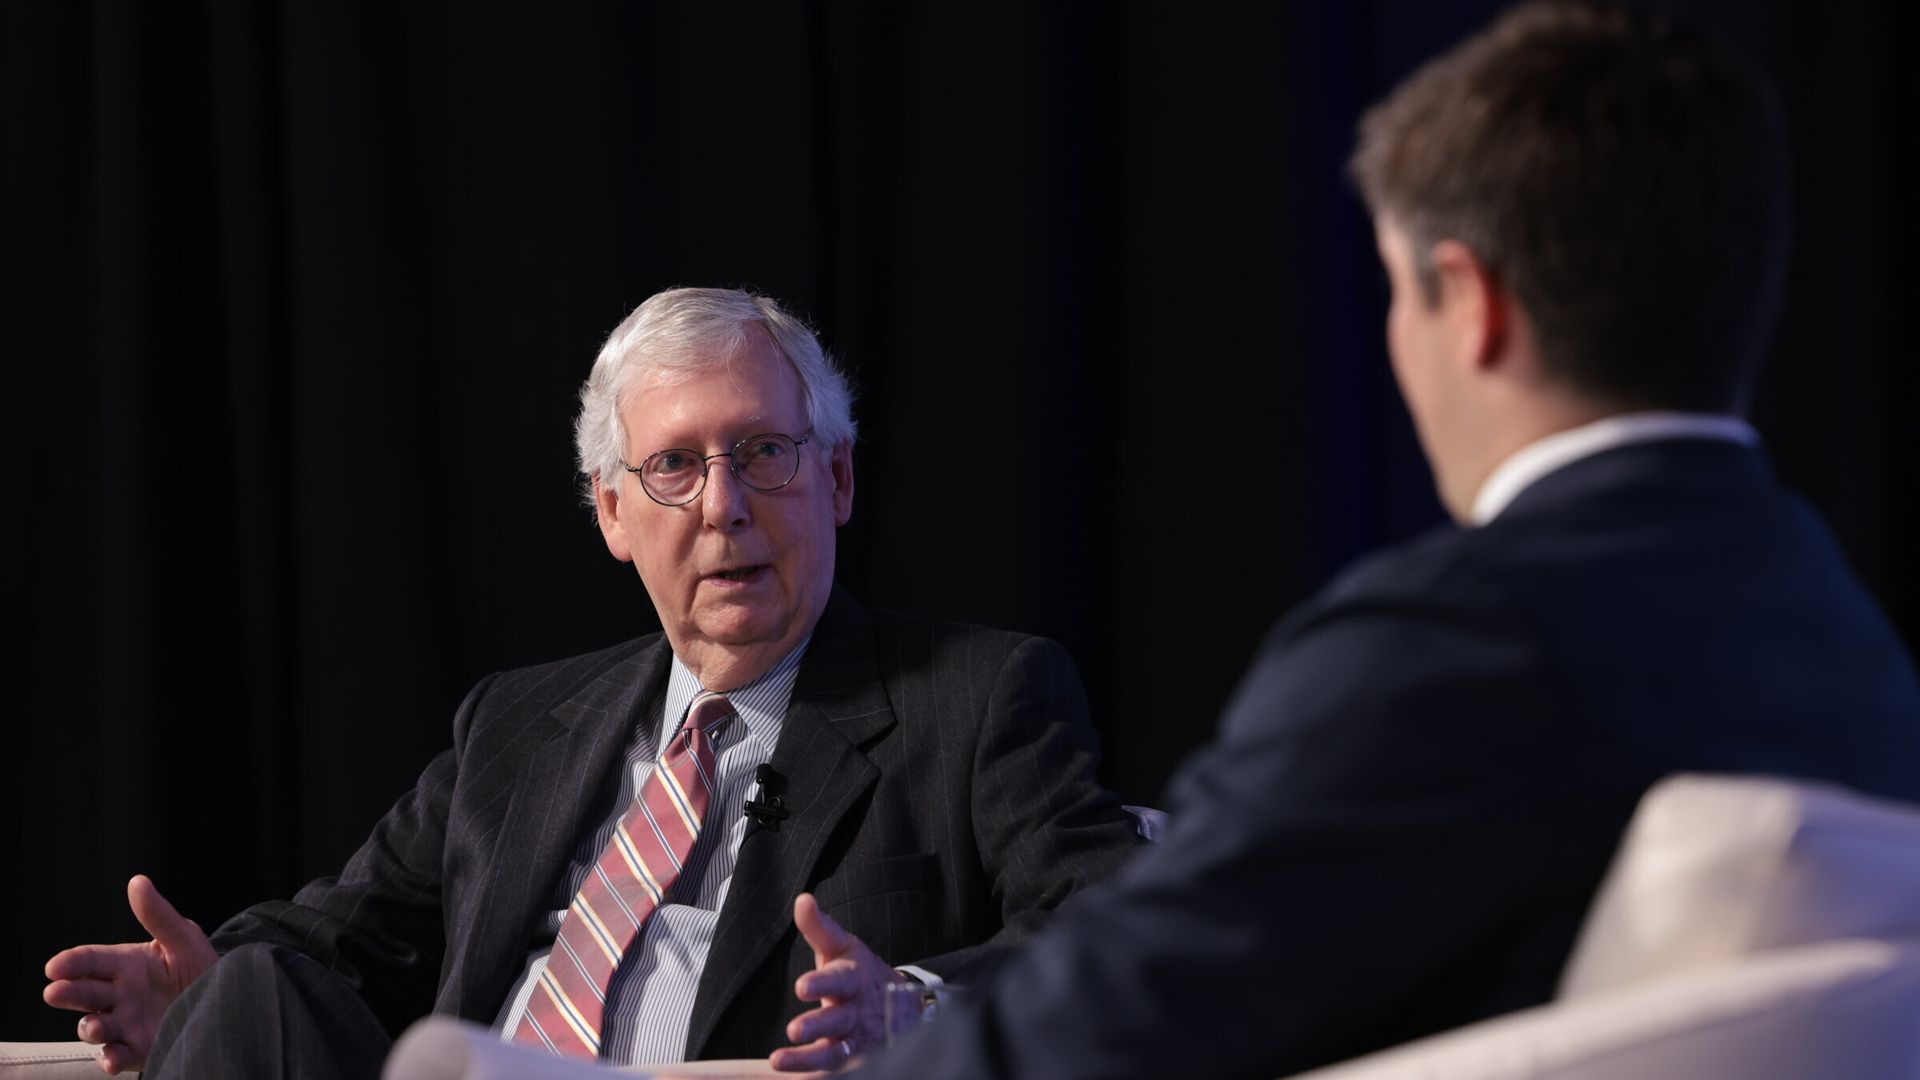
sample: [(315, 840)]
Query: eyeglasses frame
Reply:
[(733, 466)]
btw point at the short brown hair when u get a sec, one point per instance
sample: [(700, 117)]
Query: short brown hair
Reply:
[(1622, 171)]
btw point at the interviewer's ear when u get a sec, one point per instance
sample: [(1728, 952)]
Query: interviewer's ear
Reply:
[(1477, 308), (606, 509)]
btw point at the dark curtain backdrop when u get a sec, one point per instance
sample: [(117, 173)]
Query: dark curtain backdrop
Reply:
[(297, 296)]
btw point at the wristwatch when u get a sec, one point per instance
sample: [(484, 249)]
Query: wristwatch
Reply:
[(929, 994)]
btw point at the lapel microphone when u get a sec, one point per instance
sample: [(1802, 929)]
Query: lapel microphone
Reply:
[(764, 804)]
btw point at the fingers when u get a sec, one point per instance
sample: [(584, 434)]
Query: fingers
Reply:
[(827, 1022), (101, 1029), (85, 995), (81, 961), (838, 980), (116, 1058), (93, 961), (818, 1056), (172, 930), (113, 1056), (822, 933)]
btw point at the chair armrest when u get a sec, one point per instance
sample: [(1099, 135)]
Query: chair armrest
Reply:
[(48, 1061), (1844, 1008)]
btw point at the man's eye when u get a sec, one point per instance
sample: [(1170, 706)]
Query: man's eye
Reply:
[(764, 450), (668, 462)]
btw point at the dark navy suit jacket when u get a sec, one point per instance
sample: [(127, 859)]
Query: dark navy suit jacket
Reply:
[(1419, 784)]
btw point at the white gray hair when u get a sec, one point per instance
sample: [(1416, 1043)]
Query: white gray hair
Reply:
[(681, 331)]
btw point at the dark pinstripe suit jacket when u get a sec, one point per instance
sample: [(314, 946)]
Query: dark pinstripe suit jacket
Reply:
[(941, 784)]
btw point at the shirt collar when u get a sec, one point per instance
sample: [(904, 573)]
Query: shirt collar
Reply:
[(761, 705), (1535, 460)]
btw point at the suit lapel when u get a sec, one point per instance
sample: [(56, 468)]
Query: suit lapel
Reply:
[(561, 784), (838, 708)]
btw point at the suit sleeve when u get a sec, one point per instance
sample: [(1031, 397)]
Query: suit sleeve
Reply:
[(378, 925), (1334, 859), (1044, 827)]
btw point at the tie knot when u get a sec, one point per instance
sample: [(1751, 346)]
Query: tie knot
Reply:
[(707, 712)]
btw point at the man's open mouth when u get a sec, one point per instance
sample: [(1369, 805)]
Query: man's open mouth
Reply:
[(738, 574)]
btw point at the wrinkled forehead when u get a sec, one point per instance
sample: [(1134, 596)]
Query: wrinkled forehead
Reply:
[(716, 397)]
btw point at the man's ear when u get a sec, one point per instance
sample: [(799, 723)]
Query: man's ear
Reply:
[(840, 463), (1478, 309), (606, 509)]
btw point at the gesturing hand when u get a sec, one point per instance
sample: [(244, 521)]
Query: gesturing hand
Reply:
[(124, 989), (848, 981)]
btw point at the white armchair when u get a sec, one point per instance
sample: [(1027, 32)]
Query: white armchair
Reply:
[(1749, 928)]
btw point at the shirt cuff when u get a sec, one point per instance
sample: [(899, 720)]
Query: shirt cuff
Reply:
[(922, 976)]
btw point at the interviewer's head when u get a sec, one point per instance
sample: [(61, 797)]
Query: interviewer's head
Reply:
[(1619, 173)]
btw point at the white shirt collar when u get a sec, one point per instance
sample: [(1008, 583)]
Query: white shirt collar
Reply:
[(761, 704), (1528, 464)]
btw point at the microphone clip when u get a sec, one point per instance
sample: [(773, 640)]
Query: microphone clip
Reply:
[(764, 804)]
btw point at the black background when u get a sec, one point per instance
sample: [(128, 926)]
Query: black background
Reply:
[(297, 297)]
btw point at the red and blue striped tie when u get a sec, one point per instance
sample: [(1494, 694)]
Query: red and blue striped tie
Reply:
[(640, 864)]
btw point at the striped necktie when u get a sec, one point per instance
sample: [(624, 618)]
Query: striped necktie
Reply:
[(639, 865)]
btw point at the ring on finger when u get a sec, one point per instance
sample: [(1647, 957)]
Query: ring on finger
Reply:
[(846, 1050)]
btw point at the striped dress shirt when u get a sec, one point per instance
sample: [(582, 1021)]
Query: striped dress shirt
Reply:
[(651, 998)]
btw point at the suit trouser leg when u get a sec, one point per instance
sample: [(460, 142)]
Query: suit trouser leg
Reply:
[(268, 1011)]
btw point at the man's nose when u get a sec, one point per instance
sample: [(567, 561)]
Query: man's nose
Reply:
[(724, 503)]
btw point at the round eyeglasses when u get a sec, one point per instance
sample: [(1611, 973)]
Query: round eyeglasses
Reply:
[(764, 462)]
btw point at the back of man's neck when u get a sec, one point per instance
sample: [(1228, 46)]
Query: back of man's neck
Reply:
[(1557, 449), (1513, 433)]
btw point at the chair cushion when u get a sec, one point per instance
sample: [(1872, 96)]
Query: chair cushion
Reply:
[(1840, 1009), (1716, 867), (48, 1061)]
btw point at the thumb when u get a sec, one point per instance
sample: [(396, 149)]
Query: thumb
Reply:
[(825, 935), (174, 931)]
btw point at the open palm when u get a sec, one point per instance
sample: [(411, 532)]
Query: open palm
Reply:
[(125, 989)]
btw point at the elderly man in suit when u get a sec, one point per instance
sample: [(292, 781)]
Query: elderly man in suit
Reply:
[(1418, 786), (578, 870)]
